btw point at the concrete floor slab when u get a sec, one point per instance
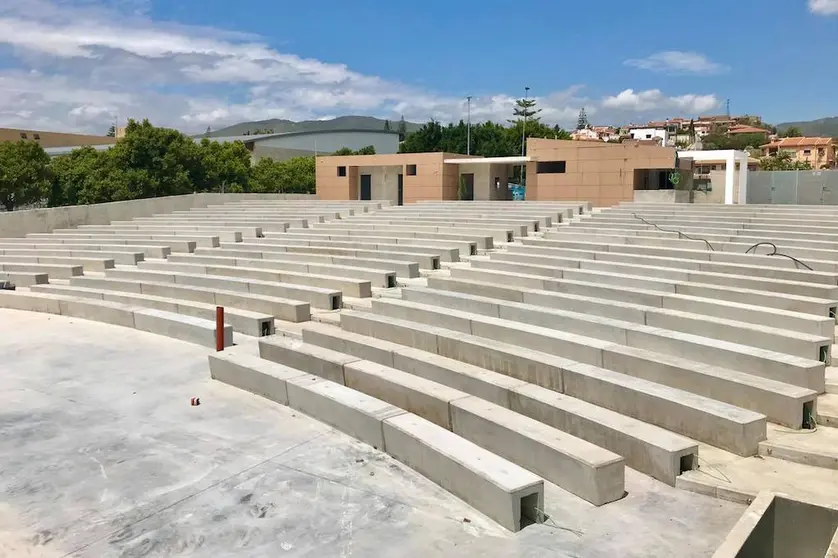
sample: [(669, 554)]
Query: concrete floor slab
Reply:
[(109, 459)]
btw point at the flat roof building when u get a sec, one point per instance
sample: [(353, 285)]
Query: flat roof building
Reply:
[(602, 173), (53, 139)]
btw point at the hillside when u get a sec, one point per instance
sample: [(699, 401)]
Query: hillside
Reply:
[(823, 127), (340, 123)]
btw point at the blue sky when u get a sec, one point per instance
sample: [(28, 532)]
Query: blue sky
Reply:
[(78, 64)]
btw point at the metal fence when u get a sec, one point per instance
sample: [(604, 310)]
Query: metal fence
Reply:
[(793, 187)]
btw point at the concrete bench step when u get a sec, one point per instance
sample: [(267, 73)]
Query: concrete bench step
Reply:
[(425, 260), (581, 468), (177, 243), (647, 448), (377, 277), (169, 324), (351, 287), (444, 254), (243, 257), (781, 402), (485, 237), (613, 334), (125, 258), (280, 308), (91, 264), (23, 278), (494, 486), (230, 233), (795, 303), (160, 251), (256, 324), (54, 270), (354, 229), (465, 248), (327, 299), (245, 223), (630, 300), (716, 423)]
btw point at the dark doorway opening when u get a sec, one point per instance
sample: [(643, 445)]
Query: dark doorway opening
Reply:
[(366, 187), (468, 187), (400, 199)]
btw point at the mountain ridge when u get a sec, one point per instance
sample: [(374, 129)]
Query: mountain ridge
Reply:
[(822, 127), (279, 126)]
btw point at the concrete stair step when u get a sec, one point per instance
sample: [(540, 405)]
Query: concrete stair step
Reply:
[(817, 448), (828, 410), (831, 380)]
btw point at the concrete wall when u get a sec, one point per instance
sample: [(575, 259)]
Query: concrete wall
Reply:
[(21, 223), (484, 181), (602, 173), (662, 196), (385, 182), (384, 142), (277, 153)]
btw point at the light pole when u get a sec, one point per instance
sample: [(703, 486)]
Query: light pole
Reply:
[(468, 127), (524, 133)]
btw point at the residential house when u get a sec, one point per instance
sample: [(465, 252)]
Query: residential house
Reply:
[(818, 152)]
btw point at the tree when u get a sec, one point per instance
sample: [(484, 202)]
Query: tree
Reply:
[(782, 160), (111, 131), (402, 129), (225, 167), (368, 150), (75, 177), (387, 125), (296, 175), (691, 130), (24, 173), (582, 122), (792, 132), (208, 133)]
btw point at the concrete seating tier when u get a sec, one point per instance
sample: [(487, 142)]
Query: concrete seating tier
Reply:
[(477, 233), (91, 264), (151, 249), (64, 271), (377, 277), (425, 260), (665, 278), (498, 488), (176, 326), (318, 297), (483, 241), (268, 221), (229, 234), (466, 248), (280, 308), (796, 303), (518, 227), (244, 257), (274, 224), (257, 324), (597, 296), (647, 448), (719, 424), (185, 243), (781, 402), (576, 258), (62, 251), (590, 472), (577, 208), (351, 287), (387, 245), (24, 279)]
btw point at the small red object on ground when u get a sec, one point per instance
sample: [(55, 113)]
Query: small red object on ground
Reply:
[(195, 401)]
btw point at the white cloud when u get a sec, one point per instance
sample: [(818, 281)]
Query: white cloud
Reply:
[(678, 62), (654, 99), (81, 63), (823, 7)]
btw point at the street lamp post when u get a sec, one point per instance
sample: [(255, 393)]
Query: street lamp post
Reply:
[(468, 127), (524, 133)]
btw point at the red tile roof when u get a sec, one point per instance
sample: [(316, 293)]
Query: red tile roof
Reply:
[(747, 130), (799, 142)]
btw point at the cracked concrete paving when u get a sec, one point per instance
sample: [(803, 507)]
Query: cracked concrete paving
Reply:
[(102, 455)]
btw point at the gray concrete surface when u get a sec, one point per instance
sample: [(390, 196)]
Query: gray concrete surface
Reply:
[(101, 455)]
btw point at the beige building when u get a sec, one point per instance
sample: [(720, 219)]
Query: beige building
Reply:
[(53, 139), (818, 152), (603, 173)]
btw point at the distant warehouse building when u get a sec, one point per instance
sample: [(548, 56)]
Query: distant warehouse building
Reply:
[(283, 146)]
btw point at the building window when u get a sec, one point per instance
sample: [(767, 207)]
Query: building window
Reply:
[(551, 167), (648, 136), (411, 170), (807, 152), (341, 171), (23, 135), (36, 136)]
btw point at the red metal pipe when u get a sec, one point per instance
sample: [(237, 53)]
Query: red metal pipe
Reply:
[(219, 328)]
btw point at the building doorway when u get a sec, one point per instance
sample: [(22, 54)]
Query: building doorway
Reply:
[(366, 187), (400, 195), (466, 187)]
